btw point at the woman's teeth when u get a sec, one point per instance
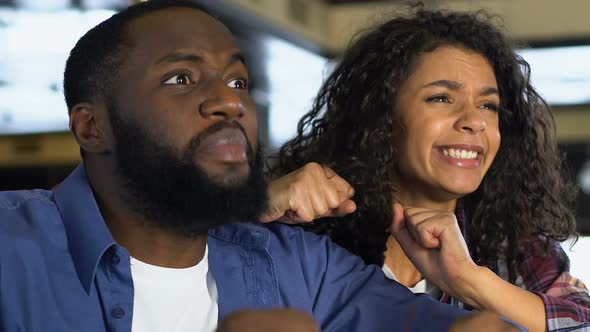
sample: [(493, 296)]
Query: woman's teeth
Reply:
[(460, 154)]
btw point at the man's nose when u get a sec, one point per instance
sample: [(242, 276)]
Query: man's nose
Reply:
[(222, 102)]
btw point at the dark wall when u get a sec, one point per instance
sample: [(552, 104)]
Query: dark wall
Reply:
[(577, 157), (44, 177)]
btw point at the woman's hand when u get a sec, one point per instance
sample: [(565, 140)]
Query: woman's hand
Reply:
[(434, 243), (310, 192)]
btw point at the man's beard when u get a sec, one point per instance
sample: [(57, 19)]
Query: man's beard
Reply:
[(176, 194)]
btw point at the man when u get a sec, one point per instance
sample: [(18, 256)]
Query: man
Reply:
[(140, 236)]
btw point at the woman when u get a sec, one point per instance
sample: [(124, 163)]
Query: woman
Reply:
[(433, 120)]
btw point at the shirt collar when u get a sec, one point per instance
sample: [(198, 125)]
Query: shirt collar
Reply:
[(87, 233)]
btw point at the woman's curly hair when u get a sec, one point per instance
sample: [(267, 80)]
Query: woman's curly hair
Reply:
[(524, 200)]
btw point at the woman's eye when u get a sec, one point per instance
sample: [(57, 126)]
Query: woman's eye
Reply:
[(490, 106), (238, 84), (438, 99), (180, 79)]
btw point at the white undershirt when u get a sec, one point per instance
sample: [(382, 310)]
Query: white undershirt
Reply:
[(169, 299), (421, 286)]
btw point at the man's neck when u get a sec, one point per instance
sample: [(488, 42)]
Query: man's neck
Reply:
[(145, 241), (156, 246)]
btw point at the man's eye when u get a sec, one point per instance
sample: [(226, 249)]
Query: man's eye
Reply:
[(238, 84), (180, 79)]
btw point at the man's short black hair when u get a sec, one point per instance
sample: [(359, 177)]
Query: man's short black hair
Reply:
[(94, 63)]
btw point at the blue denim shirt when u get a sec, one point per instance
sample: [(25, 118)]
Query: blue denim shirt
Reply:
[(61, 270)]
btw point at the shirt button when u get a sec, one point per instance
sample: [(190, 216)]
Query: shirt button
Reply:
[(118, 312), (115, 259)]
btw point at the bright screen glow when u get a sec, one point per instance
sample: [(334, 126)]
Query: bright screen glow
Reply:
[(560, 74), (295, 76), (35, 46)]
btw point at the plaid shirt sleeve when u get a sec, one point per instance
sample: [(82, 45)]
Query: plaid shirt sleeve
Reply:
[(567, 303)]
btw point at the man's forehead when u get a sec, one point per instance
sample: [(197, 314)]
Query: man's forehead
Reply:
[(180, 27)]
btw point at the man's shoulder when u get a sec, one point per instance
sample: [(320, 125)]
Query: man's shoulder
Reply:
[(263, 234), (14, 200), (284, 241), (23, 213)]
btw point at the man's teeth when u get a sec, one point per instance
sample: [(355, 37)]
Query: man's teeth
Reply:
[(460, 154)]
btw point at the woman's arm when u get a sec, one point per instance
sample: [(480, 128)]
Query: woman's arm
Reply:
[(434, 243), (565, 300), (483, 289)]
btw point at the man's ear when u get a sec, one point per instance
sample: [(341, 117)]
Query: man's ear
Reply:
[(91, 128)]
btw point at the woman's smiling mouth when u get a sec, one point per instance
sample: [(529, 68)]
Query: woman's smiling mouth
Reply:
[(461, 155)]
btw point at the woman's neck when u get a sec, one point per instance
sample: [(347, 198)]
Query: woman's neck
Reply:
[(396, 260), (415, 199)]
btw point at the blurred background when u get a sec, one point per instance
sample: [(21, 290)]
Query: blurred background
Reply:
[(290, 46)]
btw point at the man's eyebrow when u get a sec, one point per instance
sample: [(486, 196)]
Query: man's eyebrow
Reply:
[(179, 57), (192, 57), (451, 85), (237, 57)]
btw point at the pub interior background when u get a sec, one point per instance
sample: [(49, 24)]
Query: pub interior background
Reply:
[(290, 45)]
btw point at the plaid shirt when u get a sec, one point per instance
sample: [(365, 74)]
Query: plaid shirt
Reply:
[(567, 303), (566, 298)]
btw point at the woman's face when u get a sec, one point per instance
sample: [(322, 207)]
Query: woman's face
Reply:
[(449, 107)]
